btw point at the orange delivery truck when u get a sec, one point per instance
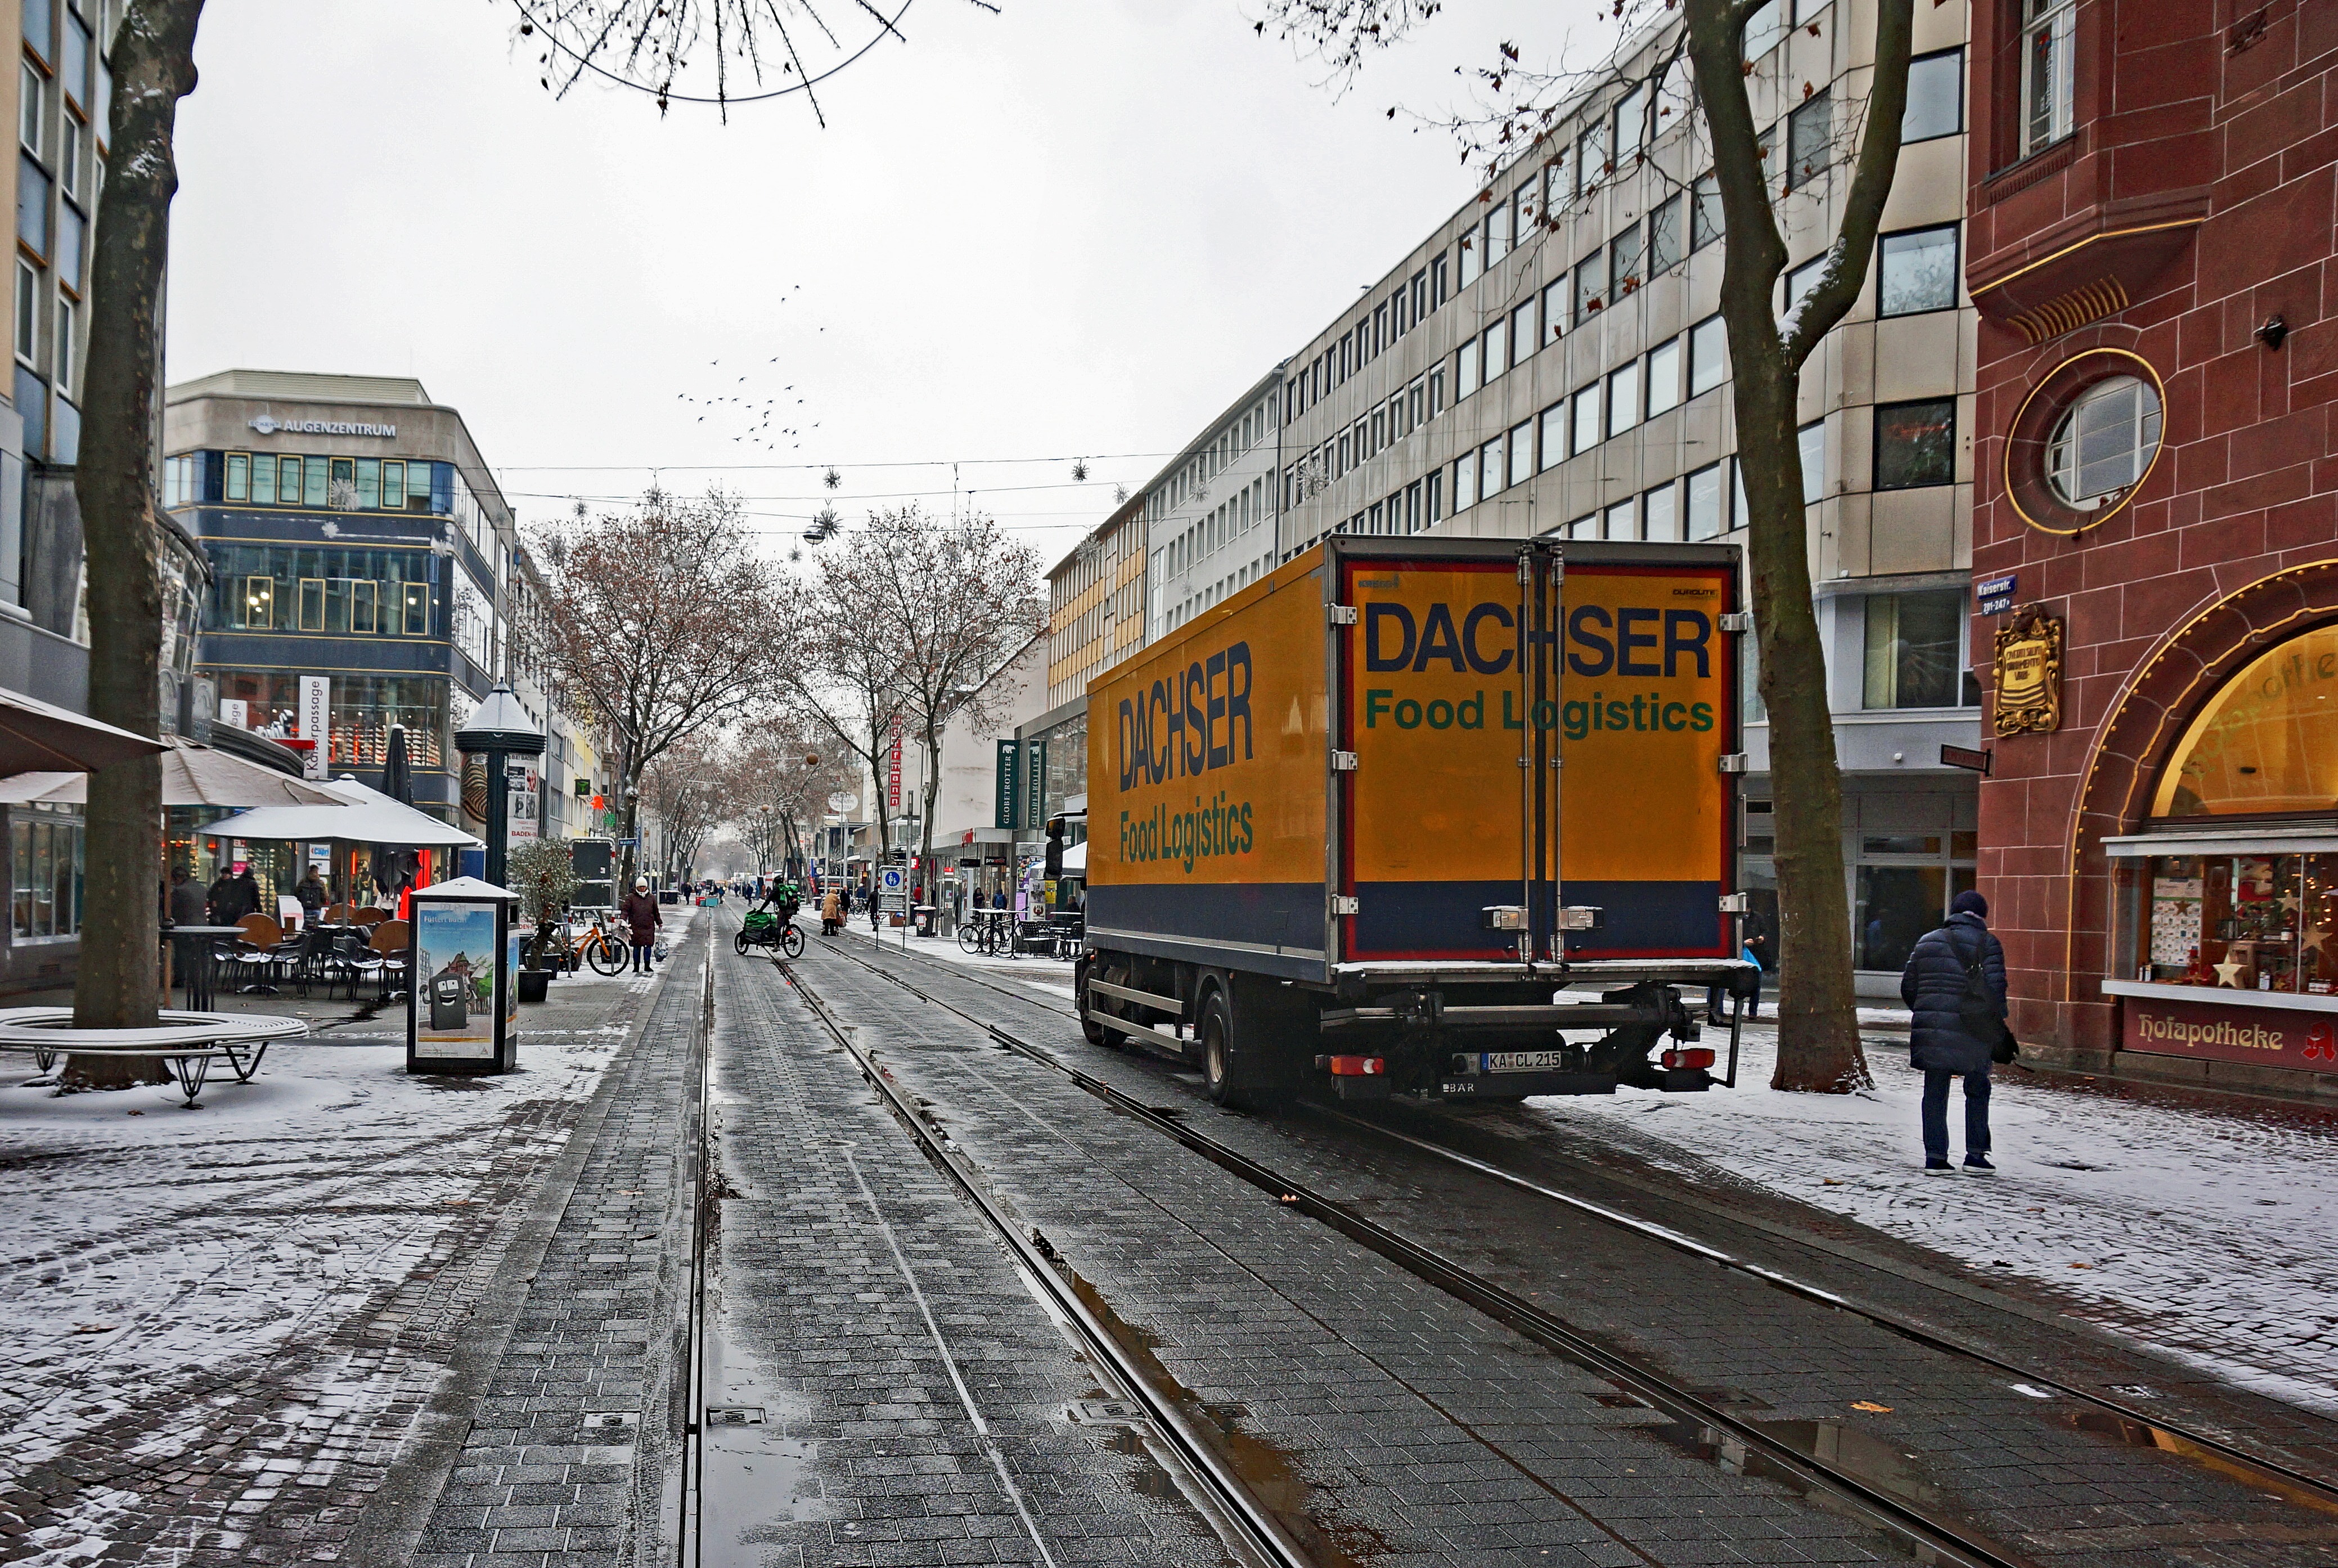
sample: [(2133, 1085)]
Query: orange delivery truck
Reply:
[(1434, 816)]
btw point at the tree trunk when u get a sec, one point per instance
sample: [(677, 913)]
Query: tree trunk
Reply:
[(116, 984), (1818, 1021), (1818, 1024)]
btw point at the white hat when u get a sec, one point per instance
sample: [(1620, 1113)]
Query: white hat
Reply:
[(640, 884)]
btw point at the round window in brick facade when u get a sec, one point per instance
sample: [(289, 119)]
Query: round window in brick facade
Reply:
[(2086, 439)]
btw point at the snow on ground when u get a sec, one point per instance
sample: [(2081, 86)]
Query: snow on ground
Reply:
[(299, 1237), (1048, 976), (2199, 1226)]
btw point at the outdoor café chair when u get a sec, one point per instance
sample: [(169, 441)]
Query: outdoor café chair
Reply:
[(263, 954)]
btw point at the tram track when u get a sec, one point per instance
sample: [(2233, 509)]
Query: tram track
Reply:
[(1250, 1528), (2298, 1487)]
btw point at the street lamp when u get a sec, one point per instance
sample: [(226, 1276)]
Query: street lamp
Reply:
[(500, 729)]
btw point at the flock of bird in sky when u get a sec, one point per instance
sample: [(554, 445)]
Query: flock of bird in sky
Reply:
[(765, 416)]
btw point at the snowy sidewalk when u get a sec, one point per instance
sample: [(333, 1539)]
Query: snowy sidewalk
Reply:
[(217, 1325), (2199, 1227), (1048, 977)]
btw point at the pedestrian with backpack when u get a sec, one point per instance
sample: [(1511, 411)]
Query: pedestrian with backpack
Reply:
[(1955, 984)]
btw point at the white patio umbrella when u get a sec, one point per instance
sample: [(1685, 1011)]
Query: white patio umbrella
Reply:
[(363, 816), (193, 775)]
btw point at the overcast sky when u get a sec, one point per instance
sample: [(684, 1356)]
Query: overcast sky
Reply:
[(1079, 228)]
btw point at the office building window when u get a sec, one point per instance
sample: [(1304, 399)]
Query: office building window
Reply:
[(1916, 272), (1914, 649), (1381, 336), (1436, 391), (1705, 220), (1800, 281), (1553, 434), (1526, 202), (1421, 295), (67, 343), (1766, 27), (1497, 346), (1624, 262), (1526, 329), (1590, 285), (1620, 523), (1585, 526), (1810, 136), (1623, 399), (1473, 257), (72, 230), (1412, 508), (33, 208), (1559, 180), (72, 61), (1631, 126), (1433, 503), (1708, 355), (1664, 377), (1705, 519), (1659, 506), (32, 117), (28, 311), (1465, 481), (1465, 369), (1553, 310), (1936, 96), (1591, 156), (1586, 434), (1418, 409), (2048, 30), (1498, 233), (1493, 474), (1810, 446), (1522, 451), (1667, 244), (1440, 281), (1915, 443)]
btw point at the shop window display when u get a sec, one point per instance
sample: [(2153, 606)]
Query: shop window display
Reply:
[(2263, 922)]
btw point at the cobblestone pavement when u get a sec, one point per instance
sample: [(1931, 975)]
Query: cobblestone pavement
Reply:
[(909, 1392), (217, 1327), (2020, 1466)]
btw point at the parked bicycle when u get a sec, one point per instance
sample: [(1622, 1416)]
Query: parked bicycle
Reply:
[(599, 943), (989, 934)]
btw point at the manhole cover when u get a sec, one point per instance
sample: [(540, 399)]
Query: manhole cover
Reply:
[(734, 1415)]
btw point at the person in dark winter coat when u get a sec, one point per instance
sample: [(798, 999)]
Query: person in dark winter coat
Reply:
[(640, 913), (1948, 1042)]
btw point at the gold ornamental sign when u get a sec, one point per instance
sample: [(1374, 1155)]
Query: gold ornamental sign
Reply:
[(2028, 674)]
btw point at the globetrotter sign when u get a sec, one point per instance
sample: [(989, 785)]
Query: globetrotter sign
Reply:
[(2307, 1041), (268, 426)]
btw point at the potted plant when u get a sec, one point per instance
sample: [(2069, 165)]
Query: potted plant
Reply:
[(540, 872)]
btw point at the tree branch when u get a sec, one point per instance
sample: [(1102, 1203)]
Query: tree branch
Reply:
[(1870, 185)]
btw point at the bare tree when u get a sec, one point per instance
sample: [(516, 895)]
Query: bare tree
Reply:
[(660, 621), (1818, 1035), (956, 600), (154, 66), (774, 780), (683, 790), (844, 683)]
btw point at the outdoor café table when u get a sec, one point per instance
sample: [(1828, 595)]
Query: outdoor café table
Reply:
[(196, 957), (189, 1041)]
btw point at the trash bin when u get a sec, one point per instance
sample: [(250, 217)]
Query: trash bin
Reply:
[(925, 913)]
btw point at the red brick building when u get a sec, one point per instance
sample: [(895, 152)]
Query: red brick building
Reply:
[(2153, 244)]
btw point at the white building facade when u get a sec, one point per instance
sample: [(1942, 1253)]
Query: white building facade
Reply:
[(1551, 361)]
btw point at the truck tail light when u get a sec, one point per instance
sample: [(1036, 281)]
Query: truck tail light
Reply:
[(1366, 1066), (1695, 1055)]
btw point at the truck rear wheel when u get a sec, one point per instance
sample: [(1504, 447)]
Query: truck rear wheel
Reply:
[(1230, 1071), (1092, 1026)]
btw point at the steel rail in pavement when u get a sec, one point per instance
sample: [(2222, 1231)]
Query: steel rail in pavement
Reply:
[(2270, 1473), (1229, 1497)]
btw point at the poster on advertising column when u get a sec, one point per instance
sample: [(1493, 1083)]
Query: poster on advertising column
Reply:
[(455, 960), (523, 813)]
